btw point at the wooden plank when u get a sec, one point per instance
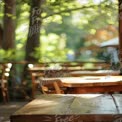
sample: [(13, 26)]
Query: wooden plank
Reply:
[(71, 108), (91, 81), (87, 81), (63, 69), (94, 73), (47, 104), (118, 101), (68, 118), (95, 89)]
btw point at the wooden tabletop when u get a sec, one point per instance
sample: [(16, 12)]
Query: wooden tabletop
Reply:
[(89, 84), (72, 108), (94, 73), (86, 80)]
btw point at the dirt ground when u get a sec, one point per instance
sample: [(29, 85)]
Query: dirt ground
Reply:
[(6, 110)]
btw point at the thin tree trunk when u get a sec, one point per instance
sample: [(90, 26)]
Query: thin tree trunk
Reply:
[(1, 36), (33, 40), (120, 35), (9, 25)]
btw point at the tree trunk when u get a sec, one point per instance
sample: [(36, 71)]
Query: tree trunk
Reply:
[(1, 36), (120, 35), (33, 40), (9, 25)]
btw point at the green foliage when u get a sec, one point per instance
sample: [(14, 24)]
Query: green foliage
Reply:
[(1, 11), (22, 15), (52, 48), (6, 55), (72, 20), (83, 20), (11, 55)]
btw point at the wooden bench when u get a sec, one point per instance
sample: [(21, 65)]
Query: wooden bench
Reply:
[(72, 108)]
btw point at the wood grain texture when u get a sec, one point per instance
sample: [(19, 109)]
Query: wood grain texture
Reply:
[(94, 73), (71, 108), (89, 84)]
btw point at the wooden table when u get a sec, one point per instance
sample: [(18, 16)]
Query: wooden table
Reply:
[(72, 108), (36, 72), (94, 73), (50, 72), (89, 84)]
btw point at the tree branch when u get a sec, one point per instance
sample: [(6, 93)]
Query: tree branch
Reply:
[(73, 9)]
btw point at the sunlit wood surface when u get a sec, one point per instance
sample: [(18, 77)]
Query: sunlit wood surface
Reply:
[(94, 73), (71, 108), (57, 69), (89, 84)]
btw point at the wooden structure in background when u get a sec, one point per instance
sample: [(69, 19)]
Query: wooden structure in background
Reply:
[(4, 74), (94, 73), (43, 70)]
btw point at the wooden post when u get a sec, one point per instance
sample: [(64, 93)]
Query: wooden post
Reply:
[(120, 34)]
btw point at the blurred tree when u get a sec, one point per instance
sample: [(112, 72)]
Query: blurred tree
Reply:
[(75, 19), (1, 35), (82, 23), (34, 29), (9, 25), (50, 11)]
